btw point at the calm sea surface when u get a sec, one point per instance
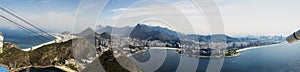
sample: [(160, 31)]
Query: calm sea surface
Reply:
[(22, 38), (279, 58)]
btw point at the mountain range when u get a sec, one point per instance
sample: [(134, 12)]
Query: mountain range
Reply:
[(146, 32), (116, 31)]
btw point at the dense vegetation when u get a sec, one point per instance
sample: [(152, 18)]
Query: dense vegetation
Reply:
[(55, 54), (110, 63), (51, 54), (14, 57)]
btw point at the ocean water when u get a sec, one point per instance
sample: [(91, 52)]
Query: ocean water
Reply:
[(22, 38), (3, 69), (278, 58)]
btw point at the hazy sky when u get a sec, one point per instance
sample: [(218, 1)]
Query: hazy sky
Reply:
[(53, 15), (241, 17)]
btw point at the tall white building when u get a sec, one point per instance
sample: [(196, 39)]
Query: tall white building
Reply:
[(1, 42)]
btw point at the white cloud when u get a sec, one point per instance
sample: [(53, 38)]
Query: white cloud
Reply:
[(156, 9), (178, 14), (255, 17)]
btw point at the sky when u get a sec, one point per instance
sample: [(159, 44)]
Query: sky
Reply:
[(240, 17)]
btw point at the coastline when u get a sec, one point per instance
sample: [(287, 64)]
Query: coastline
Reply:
[(239, 52), (256, 47), (58, 38), (217, 56), (65, 68), (235, 55)]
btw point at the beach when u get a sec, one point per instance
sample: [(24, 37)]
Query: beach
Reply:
[(58, 39), (64, 68), (255, 47)]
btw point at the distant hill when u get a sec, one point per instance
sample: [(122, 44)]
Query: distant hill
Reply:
[(101, 29), (89, 34), (217, 37), (116, 31), (66, 33), (144, 32), (105, 35), (86, 32)]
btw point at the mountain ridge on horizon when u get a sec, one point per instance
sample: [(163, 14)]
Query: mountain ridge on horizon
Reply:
[(157, 33), (109, 29), (166, 35)]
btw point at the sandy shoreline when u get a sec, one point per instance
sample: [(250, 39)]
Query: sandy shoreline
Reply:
[(238, 54), (64, 68), (255, 47), (58, 38)]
